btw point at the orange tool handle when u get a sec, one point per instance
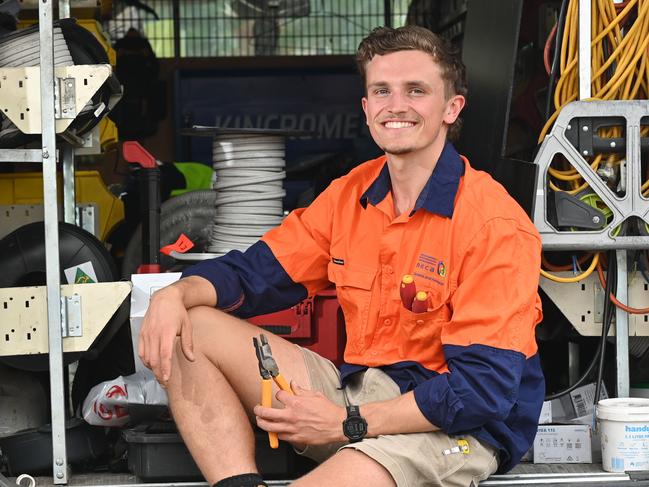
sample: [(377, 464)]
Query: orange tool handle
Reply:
[(283, 385), (420, 303), (267, 401), (407, 290)]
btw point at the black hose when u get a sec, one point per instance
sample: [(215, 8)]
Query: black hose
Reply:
[(191, 213), (609, 311)]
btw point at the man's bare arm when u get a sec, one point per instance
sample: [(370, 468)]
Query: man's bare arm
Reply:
[(310, 418), (395, 416), (166, 318)]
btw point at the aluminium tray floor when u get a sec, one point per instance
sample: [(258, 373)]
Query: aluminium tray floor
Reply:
[(564, 475)]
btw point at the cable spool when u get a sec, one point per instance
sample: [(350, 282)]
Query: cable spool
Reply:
[(73, 45), (22, 260), (249, 177)]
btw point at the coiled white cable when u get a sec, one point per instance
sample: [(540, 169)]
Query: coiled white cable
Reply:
[(249, 177)]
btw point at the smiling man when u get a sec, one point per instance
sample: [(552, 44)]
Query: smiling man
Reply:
[(443, 389)]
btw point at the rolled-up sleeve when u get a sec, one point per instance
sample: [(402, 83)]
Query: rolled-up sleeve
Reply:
[(491, 333), (288, 264)]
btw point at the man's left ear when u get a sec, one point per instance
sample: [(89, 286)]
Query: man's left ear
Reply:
[(453, 108)]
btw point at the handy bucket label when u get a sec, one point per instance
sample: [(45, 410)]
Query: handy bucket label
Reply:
[(624, 433)]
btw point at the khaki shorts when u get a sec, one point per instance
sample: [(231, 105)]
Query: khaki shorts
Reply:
[(413, 460)]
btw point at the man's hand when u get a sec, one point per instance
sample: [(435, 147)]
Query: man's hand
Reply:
[(307, 418), (165, 319)]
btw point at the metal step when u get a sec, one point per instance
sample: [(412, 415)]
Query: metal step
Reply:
[(563, 475)]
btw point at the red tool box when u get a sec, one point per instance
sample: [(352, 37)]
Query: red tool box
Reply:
[(316, 323)]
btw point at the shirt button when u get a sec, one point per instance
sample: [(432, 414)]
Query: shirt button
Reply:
[(387, 321), (420, 322)]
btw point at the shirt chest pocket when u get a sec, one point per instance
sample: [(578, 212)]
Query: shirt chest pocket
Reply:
[(420, 333), (354, 290)]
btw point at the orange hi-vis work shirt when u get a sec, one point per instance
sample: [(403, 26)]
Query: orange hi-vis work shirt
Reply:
[(471, 357)]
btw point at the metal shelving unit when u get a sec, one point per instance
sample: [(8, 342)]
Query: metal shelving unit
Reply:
[(60, 95)]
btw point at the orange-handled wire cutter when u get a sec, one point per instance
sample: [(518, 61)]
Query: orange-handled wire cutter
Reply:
[(269, 371)]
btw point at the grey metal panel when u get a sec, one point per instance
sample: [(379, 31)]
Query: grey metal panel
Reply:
[(21, 155), (622, 327), (67, 155), (632, 204), (489, 52)]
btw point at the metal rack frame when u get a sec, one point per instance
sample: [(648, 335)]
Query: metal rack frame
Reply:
[(48, 155), (632, 205)]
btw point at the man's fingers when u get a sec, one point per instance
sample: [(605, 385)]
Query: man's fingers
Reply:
[(140, 349), (146, 357), (298, 389), (187, 340), (270, 414), (166, 349)]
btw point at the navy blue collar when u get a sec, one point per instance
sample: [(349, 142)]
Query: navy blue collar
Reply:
[(438, 195)]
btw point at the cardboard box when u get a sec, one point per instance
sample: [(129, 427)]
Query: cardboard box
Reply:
[(563, 443), (144, 285), (576, 404), (546, 413)]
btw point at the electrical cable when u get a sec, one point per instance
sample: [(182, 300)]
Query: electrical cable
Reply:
[(615, 301), (619, 42), (249, 175), (558, 32), (599, 352), (583, 275), (558, 268)]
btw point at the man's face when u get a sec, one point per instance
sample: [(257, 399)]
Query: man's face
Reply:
[(406, 107)]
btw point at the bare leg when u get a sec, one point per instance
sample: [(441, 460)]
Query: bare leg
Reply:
[(347, 468), (212, 398)]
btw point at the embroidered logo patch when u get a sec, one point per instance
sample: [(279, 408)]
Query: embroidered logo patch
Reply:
[(430, 268)]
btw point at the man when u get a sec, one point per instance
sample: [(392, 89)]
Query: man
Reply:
[(450, 394)]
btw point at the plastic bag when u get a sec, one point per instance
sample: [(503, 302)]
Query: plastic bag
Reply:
[(114, 402)]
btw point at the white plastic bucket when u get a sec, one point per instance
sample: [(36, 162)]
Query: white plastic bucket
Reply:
[(624, 433)]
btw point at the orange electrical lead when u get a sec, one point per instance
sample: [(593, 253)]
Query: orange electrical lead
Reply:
[(420, 303), (407, 290)]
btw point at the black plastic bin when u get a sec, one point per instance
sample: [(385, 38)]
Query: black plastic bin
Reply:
[(157, 453)]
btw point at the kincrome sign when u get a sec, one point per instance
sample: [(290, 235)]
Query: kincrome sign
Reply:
[(320, 125), (323, 103)]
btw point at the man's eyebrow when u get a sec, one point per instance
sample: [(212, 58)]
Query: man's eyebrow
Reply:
[(382, 84), (417, 83)]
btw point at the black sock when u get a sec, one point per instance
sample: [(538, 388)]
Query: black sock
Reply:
[(245, 480)]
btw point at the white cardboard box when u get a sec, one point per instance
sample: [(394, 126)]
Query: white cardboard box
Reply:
[(563, 443), (546, 413), (144, 285), (576, 404)]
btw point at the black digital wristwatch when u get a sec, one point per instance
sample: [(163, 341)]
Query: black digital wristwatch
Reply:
[(354, 426)]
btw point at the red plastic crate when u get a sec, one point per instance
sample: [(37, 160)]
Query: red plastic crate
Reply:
[(316, 323)]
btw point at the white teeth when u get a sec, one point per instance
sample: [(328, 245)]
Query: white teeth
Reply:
[(398, 125)]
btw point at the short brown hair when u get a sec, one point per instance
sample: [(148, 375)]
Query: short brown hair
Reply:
[(386, 40)]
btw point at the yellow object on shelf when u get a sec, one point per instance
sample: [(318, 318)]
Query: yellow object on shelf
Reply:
[(27, 189), (108, 134)]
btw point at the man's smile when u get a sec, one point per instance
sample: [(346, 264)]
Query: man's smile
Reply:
[(398, 124)]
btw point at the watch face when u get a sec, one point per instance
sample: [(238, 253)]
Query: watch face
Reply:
[(355, 428)]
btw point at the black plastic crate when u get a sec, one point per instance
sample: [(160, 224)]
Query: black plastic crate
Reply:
[(157, 453)]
